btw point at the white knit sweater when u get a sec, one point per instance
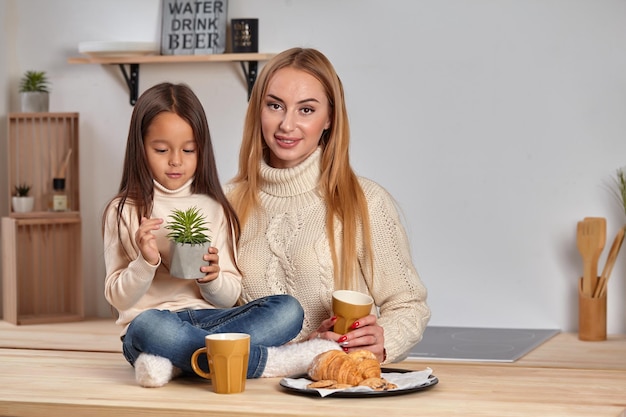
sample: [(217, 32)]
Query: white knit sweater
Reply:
[(132, 285), (284, 250)]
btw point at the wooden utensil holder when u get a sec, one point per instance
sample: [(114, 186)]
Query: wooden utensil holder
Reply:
[(591, 316)]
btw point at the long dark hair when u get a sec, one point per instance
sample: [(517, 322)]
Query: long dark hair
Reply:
[(136, 186)]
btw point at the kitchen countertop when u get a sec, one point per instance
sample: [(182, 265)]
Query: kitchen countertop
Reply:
[(562, 377)]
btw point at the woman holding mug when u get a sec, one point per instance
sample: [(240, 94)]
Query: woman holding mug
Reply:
[(310, 225)]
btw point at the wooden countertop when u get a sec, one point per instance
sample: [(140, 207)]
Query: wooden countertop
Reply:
[(566, 351), (562, 377)]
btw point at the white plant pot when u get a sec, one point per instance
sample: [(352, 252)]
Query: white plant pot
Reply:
[(23, 204), (34, 102), (186, 260)]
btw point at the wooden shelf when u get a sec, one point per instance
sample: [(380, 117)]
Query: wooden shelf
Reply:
[(169, 59), (248, 61), (37, 143), (49, 318), (46, 217), (42, 277), (41, 250)]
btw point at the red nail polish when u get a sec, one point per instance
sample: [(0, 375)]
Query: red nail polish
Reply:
[(342, 339), (334, 318), (345, 349), (354, 325)]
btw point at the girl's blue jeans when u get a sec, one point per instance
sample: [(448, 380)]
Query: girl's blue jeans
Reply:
[(270, 321)]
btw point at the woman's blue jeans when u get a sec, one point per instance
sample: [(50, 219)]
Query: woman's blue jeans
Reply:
[(270, 321)]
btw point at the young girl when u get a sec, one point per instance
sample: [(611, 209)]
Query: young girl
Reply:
[(169, 164)]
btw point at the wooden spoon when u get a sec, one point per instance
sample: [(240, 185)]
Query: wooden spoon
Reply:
[(586, 247), (587, 238), (610, 261), (598, 225)]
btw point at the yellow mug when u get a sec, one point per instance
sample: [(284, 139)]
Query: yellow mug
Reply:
[(227, 354), (349, 306)]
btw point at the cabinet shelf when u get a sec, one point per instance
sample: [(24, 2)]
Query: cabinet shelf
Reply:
[(42, 280), (37, 144), (248, 61), (46, 217)]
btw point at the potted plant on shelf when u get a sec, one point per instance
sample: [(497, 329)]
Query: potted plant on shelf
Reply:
[(34, 92), (189, 242), (21, 201)]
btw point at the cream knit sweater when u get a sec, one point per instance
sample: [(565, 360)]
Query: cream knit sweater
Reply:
[(283, 249), (132, 285)]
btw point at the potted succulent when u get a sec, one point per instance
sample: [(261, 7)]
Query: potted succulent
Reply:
[(21, 201), (189, 242), (34, 92)]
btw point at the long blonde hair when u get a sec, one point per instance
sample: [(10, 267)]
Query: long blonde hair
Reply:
[(338, 184)]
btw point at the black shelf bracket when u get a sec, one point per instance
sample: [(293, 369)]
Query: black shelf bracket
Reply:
[(131, 77), (132, 81), (250, 73)]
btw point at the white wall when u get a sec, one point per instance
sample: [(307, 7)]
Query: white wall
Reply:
[(496, 124)]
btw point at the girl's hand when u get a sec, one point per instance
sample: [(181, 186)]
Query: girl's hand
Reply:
[(146, 240), (365, 334), (212, 270)]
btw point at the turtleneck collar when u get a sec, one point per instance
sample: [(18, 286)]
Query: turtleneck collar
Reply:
[(285, 182), (183, 191)]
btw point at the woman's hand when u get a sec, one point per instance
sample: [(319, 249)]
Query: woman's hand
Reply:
[(146, 240), (365, 334), (325, 331), (212, 270)]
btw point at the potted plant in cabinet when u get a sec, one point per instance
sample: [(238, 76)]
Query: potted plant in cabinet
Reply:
[(188, 242), (21, 201), (35, 92)]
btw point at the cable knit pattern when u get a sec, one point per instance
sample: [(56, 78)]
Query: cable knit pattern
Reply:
[(284, 250), (132, 285)]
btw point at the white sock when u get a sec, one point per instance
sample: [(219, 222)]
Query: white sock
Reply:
[(153, 371), (295, 358)]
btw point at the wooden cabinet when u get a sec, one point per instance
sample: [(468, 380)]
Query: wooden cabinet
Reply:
[(41, 250)]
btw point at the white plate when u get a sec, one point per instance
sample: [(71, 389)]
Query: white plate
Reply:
[(117, 48)]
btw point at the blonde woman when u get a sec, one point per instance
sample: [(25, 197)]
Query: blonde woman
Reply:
[(310, 225)]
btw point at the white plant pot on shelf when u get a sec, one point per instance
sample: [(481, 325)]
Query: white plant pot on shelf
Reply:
[(186, 260), (35, 102), (23, 204)]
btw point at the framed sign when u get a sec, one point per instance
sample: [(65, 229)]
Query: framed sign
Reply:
[(192, 27)]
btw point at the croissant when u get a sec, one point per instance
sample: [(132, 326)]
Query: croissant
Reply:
[(345, 368)]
